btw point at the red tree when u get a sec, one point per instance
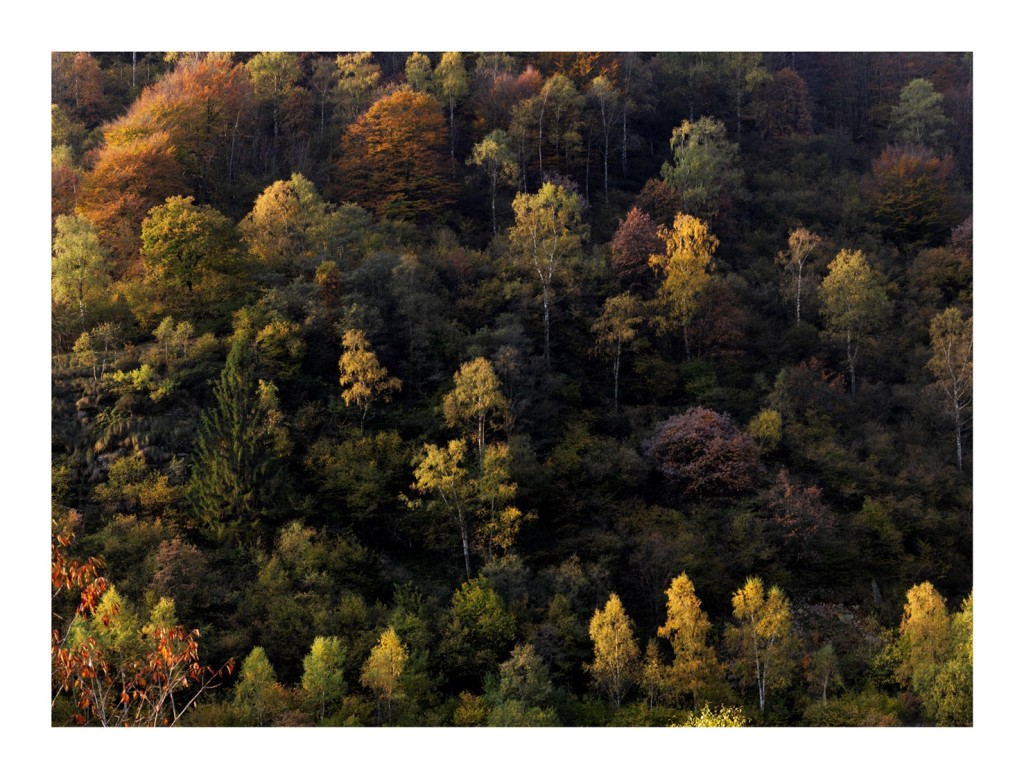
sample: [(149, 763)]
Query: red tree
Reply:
[(632, 245), (704, 453)]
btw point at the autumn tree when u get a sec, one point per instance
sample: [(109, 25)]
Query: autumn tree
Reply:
[(323, 675), (546, 237), (761, 642), (480, 631), (908, 191), (616, 665), (392, 158), (363, 379), (694, 666), (494, 155), (81, 272), (705, 454), (824, 670), (705, 168), (258, 695), (854, 303), (633, 243), (476, 402), (797, 518), (952, 364), (273, 75), (802, 245), (683, 271), (784, 107), (418, 71), (382, 672), (615, 329), (236, 484)]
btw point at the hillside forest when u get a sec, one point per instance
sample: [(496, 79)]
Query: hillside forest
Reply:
[(511, 389)]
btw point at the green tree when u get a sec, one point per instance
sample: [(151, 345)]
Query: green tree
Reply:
[(705, 169), (480, 630), (802, 245), (182, 243), (357, 79), (683, 271), (257, 693), (949, 701), (494, 155), (918, 118), (761, 642), (616, 665), (451, 83), (236, 484), (323, 675), (273, 74), (81, 273), (417, 71), (605, 98), (952, 364), (854, 303), (476, 402), (694, 667), (547, 235), (824, 670), (615, 329), (363, 379)]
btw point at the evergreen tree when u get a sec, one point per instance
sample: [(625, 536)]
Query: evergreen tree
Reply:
[(237, 480)]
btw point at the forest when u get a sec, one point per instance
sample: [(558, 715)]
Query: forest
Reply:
[(558, 389)]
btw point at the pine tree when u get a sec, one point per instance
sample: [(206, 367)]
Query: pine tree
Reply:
[(237, 480)]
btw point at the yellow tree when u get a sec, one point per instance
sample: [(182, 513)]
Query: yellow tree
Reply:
[(616, 328), (761, 641), (451, 83), (802, 244), (686, 629), (854, 304), (80, 268), (476, 401), (683, 271), (616, 665), (547, 235), (952, 364), (494, 155), (363, 379), (924, 636), (383, 669), (440, 472)]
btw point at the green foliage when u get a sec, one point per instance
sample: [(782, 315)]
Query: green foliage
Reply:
[(236, 484), (258, 696), (918, 118), (723, 717), (81, 273), (323, 675), (479, 631), (705, 168)]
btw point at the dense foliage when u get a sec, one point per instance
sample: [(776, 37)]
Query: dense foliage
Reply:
[(573, 389)]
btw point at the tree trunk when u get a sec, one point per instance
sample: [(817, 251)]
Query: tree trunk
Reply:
[(465, 545), (959, 443), (547, 329), (851, 359), (799, 285)]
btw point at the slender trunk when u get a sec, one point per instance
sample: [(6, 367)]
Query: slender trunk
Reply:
[(465, 545), (686, 341), (607, 151), (133, 71), (494, 197), (624, 136), (547, 329), (799, 285), (615, 370), (851, 358), (959, 444)]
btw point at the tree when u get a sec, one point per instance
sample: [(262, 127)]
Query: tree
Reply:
[(824, 669), (683, 271), (615, 328), (784, 108), (547, 235), (605, 97), (289, 227), (908, 191), (479, 632), (476, 401), (183, 244), (417, 71), (440, 471), (704, 454), (633, 243), (686, 628), (802, 244), (273, 75), (257, 693), (616, 664), (495, 156), (392, 158), (796, 518), (451, 82), (854, 304), (323, 675), (918, 118), (705, 168), (952, 364), (236, 484), (80, 269), (363, 379), (762, 642)]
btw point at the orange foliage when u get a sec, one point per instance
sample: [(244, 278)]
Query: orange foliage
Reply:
[(394, 158)]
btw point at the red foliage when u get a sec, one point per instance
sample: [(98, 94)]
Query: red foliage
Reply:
[(785, 106), (660, 200), (704, 453), (494, 99), (796, 517), (909, 194), (632, 245), (717, 326)]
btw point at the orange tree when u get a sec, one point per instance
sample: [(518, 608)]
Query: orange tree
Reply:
[(393, 158)]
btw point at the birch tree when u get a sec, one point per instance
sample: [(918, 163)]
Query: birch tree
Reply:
[(952, 364)]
